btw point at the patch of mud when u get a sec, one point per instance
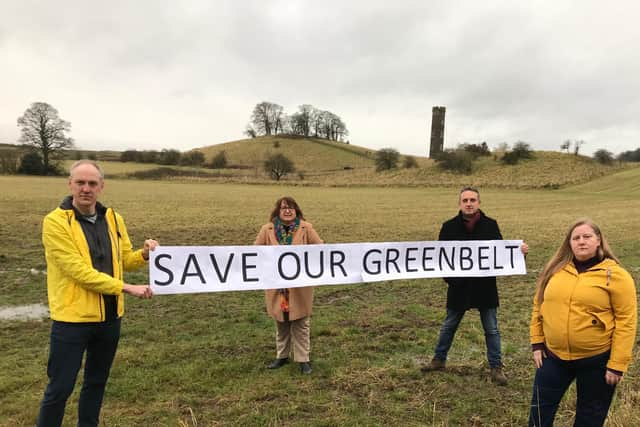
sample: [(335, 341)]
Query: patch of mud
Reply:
[(24, 312)]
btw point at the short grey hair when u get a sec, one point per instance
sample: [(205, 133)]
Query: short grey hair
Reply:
[(86, 162)]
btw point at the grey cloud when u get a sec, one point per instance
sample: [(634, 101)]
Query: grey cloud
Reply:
[(505, 70)]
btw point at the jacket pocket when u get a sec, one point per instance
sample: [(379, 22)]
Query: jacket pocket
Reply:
[(600, 321)]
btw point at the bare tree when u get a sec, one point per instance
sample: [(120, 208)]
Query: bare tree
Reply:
[(278, 165), (576, 146), (250, 131), (387, 158), (267, 118), (43, 129), (565, 145), (301, 121), (316, 123), (330, 126), (603, 156)]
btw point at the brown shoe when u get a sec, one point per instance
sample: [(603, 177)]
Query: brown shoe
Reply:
[(498, 377), (435, 365)]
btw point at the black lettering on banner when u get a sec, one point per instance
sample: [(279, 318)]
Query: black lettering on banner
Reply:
[(465, 255), (246, 266), (221, 278), (168, 272), (481, 258), (495, 259), (426, 258), (191, 259), (443, 254), (392, 260), (511, 249), (335, 263), (281, 271), (376, 263), (320, 262), (408, 258)]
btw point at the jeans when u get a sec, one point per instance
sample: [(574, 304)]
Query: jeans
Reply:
[(553, 379), (489, 318), (68, 344)]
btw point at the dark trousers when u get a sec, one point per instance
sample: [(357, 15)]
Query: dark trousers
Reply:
[(552, 381), (68, 344)]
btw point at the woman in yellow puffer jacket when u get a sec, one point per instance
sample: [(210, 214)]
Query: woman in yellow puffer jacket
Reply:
[(583, 327)]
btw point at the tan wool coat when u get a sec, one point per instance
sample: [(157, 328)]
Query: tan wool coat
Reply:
[(300, 299)]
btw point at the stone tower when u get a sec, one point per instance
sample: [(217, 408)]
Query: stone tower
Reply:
[(437, 131)]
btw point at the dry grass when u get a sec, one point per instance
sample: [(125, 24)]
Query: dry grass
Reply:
[(327, 163), (199, 359)]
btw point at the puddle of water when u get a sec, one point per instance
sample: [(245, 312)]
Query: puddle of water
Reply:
[(24, 312)]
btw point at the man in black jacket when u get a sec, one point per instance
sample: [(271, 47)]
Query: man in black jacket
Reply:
[(465, 293)]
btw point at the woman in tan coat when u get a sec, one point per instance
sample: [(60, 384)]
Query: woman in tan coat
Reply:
[(291, 308)]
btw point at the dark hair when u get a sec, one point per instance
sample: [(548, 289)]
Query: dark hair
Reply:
[(469, 188), (290, 202)]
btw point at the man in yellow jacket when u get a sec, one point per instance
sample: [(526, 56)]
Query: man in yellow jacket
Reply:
[(87, 248)]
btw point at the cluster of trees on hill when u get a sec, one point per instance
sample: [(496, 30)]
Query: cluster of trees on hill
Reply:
[(630, 156), (269, 118)]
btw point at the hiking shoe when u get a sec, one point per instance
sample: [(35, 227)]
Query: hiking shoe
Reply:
[(435, 365), (305, 368), (498, 377), (278, 363)]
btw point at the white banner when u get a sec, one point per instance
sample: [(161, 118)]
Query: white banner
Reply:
[(190, 269)]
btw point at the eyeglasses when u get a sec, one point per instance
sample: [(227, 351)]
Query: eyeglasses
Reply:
[(287, 208)]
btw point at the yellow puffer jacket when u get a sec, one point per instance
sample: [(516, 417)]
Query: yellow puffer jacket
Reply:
[(74, 287), (586, 314)]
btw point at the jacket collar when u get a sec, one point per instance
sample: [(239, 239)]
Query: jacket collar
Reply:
[(271, 226), (461, 218), (67, 205), (606, 263)]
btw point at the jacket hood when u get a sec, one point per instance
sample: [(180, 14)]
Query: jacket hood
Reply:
[(67, 204)]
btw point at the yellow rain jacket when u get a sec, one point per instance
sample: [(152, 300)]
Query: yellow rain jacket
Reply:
[(74, 287), (586, 314)]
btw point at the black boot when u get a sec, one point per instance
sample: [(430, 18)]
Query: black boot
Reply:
[(278, 363), (305, 368)]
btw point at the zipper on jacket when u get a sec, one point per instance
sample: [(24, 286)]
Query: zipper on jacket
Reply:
[(569, 315), (117, 243)]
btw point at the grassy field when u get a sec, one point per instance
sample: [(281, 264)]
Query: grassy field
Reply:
[(200, 359)]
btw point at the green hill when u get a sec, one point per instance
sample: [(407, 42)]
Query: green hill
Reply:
[(625, 183), (330, 163), (338, 164), (308, 154)]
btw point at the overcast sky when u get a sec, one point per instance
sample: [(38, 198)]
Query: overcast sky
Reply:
[(185, 74)]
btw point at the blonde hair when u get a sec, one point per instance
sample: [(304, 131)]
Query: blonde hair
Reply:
[(564, 255), (86, 162)]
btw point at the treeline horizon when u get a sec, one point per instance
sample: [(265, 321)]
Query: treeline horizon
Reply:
[(269, 118)]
